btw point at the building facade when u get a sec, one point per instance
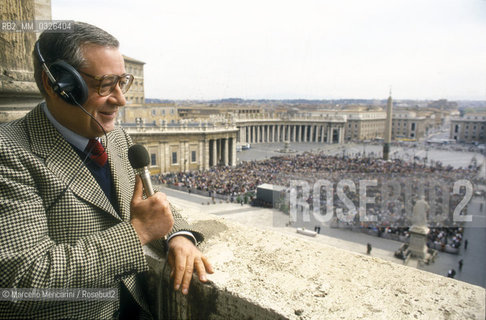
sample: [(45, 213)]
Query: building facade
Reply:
[(136, 95), (185, 147), (148, 114), (364, 125), (470, 128), (408, 125)]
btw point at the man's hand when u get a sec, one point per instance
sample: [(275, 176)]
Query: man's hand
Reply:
[(151, 218), (184, 258)]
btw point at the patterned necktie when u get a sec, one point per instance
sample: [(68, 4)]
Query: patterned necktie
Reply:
[(98, 153)]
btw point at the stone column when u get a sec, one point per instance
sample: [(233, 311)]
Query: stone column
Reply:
[(242, 135), (168, 157), (206, 154), (225, 151), (305, 133), (18, 90), (162, 156), (200, 155), (183, 159), (233, 153), (215, 152)]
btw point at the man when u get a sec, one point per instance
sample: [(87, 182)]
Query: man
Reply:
[(72, 213)]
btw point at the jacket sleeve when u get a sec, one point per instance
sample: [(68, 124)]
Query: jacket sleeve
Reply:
[(30, 258)]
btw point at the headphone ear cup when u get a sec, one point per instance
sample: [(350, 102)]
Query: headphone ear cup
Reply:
[(70, 81)]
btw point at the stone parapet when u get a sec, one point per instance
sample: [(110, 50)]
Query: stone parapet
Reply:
[(262, 274)]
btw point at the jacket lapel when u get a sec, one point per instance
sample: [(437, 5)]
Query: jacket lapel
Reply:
[(64, 162), (117, 163)]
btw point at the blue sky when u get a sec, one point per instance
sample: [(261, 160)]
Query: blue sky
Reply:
[(328, 49)]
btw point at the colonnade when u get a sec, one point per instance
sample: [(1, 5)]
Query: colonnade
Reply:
[(267, 133), (222, 152), (186, 152)]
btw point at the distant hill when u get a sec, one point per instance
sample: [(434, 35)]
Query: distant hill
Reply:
[(149, 100), (342, 102)]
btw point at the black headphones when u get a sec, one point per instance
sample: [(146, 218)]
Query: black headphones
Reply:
[(64, 79)]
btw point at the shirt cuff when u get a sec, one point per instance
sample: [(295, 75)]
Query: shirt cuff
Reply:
[(187, 234)]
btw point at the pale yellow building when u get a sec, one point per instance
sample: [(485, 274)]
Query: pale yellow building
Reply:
[(136, 95), (364, 125), (407, 125), (204, 111), (186, 146), (470, 128), (149, 114)]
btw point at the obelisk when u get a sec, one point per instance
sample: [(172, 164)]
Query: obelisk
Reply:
[(388, 129)]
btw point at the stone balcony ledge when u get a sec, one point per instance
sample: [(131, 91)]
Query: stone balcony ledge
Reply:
[(263, 274)]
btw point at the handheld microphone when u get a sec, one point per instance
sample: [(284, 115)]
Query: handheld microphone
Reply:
[(139, 159)]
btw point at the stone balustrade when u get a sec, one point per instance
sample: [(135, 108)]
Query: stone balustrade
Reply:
[(262, 274)]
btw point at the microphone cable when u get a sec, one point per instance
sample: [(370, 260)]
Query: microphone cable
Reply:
[(83, 163)]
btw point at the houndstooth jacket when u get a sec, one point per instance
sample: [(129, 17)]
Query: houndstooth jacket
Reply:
[(81, 241)]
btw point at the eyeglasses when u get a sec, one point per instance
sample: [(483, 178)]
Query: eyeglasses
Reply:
[(108, 82)]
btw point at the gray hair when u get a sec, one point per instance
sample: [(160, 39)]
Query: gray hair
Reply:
[(67, 46)]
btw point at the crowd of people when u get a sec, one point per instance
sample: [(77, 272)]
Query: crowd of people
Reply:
[(392, 212)]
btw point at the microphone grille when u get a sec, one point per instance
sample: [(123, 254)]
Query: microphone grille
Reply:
[(138, 156)]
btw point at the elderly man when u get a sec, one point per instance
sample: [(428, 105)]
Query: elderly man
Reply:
[(72, 212)]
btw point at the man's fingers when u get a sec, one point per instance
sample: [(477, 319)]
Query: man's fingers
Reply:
[(172, 266), (185, 259), (200, 267), (179, 269), (207, 265), (138, 189), (186, 280)]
